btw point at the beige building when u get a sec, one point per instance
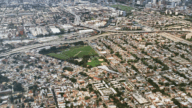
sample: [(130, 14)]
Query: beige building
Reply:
[(188, 36)]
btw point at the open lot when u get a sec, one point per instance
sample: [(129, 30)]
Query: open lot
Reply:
[(122, 7), (78, 51), (94, 62)]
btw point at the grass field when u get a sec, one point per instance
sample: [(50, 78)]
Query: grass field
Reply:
[(79, 51), (122, 7), (94, 62)]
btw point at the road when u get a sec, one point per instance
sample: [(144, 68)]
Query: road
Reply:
[(141, 31), (77, 21), (77, 17), (55, 42), (175, 38), (58, 41)]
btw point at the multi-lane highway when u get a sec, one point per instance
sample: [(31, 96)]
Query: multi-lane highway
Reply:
[(175, 38), (141, 31), (58, 41), (51, 43), (77, 21)]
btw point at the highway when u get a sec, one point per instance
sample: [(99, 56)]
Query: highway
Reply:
[(175, 38), (77, 21), (139, 31), (55, 42), (58, 41), (77, 18)]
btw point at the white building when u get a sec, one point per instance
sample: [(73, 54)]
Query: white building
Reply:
[(54, 30), (86, 31)]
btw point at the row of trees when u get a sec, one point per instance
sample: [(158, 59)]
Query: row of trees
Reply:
[(108, 47), (18, 86), (157, 89), (81, 63), (54, 49), (165, 67), (68, 68)]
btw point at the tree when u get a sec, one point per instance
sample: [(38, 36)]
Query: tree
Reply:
[(9, 36), (11, 99), (83, 74), (134, 68), (34, 89), (1, 41), (83, 89), (176, 102), (97, 102), (182, 55), (22, 106), (62, 31), (42, 104), (73, 80), (86, 97), (52, 49), (72, 106), (153, 84), (167, 84), (18, 87), (3, 79), (68, 68), (22, 37), (35, 77), (61, 94), (21, 67)]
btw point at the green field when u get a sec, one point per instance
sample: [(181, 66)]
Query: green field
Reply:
[(79, 51), (122, 7), (94, 62)]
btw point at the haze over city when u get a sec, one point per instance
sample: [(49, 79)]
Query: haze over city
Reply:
[(95, 53)]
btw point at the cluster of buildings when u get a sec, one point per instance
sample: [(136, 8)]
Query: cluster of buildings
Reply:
[(38, 80), (147, 70), (160, 73), (141, 70), (94, 15), (158, 21), (18, 22), (41, 22)]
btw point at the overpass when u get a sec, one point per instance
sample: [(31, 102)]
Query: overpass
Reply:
[(77, 22), (77, 18), (58, 41), (137, 31), (91, 27)]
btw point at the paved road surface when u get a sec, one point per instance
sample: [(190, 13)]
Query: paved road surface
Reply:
[(56, 42), (175, 38)]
